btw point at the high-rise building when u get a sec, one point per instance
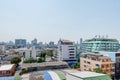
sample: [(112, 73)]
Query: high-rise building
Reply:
[(34, 42), (51, 44), (100, 44), (20, 43), (81, 40), (66, 51)]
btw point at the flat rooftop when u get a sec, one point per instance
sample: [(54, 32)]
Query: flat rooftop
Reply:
[(83, 74), (25, 65), (6, 67)]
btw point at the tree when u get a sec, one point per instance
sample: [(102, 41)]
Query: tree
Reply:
[(40, 60), (30, 60), (43, 54), (99, 70), (49, 53), (24, 70), (16, 60)]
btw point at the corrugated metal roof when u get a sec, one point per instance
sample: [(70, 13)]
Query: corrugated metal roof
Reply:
[(61, 75), (54, 75)]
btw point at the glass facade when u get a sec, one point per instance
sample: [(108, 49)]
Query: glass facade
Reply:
[(99, 44)]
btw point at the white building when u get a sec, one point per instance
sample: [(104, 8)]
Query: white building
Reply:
[(30, 53), (66, 51)]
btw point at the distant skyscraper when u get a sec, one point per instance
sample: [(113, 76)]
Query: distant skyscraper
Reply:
[(34, 42), (10, 43), (51, 44), (81, 40), (20, 43)]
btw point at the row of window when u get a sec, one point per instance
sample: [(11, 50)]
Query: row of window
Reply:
[(4, 72)]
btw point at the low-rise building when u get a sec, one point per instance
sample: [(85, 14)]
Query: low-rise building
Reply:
[(7, 70), (30, 53), (90, 61), (45, 66)]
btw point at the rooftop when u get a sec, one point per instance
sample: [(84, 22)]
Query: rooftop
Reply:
[(6, 67), (102, 39), (94, 55), (54, 76), (43, 64), (66, 41), (87, 75)]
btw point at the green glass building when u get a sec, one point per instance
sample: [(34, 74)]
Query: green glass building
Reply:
[(100, 44)]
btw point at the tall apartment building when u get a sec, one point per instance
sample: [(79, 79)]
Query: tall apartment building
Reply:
[(66, 51), (100, 44), (89, 61), (20, 43)]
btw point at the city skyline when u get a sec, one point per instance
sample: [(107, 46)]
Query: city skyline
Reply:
[(50, 20)]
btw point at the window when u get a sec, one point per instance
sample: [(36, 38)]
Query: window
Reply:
[(88, 62), (60, 48), (71, 54), (84, 65), (102, 66), (84, 61), (72, 57), (30, 53), (97, 65), (71, 51), (0, 72), (8, 72)]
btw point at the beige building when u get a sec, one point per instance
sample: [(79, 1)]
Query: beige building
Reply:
[(90, 61)]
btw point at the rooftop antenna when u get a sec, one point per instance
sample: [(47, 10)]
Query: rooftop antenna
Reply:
[(99, 36), (103, 36), (95, 36), (106, 36)]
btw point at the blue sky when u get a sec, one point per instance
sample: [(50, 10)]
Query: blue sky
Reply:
[(50, 20)]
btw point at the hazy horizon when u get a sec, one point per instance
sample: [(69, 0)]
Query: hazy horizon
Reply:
[(50, 20)]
